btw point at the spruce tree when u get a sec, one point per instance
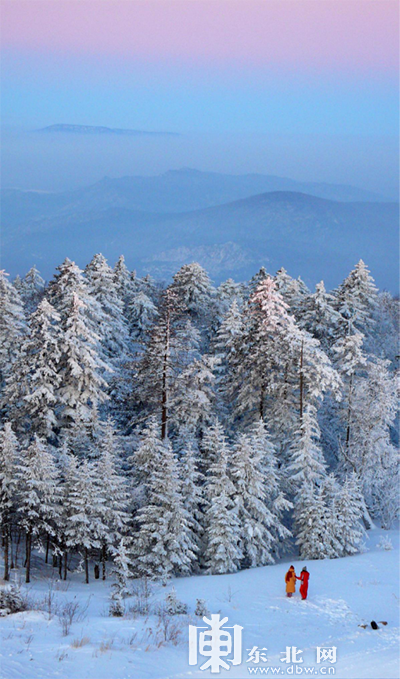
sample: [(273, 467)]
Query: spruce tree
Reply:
[(38, 501), (8, 489), (12, 326), (113, 331), (222, 553), (163, 546), (31, 392)]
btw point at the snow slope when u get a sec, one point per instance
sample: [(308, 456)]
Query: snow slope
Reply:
[(343, 594)]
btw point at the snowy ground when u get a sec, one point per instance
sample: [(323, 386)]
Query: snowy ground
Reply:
[(344, 594)]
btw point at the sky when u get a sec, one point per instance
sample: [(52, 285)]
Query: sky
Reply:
[(299, 88)]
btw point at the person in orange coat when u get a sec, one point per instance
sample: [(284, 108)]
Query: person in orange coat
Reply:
[(304, 577), (290, 579)]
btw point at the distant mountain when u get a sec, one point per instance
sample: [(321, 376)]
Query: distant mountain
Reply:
[(309, 236), (96, 129), (187, 189)]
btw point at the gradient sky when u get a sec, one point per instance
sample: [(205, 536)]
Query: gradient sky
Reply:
[(317, 79)]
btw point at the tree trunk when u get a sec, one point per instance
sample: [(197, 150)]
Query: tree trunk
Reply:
[(164, 394), (301, 382), (28, 556), (86, 567), (103, 558), (261, 406), (60, 566), (65, 564), (11, 551), (349, 414), (47, 549), (6, 553)]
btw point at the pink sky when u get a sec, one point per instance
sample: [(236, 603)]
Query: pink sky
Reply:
[(334, 34)]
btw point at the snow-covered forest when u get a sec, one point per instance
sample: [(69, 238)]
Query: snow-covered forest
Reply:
[(156, 431)]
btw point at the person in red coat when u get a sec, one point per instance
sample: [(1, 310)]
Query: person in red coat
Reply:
[(304, 577)]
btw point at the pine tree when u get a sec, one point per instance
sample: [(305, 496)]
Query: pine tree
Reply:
[(312, 522), (192, 287), (111, 490), (317, 315), (162, 360), (222, 553), (370, 452), (38, 504), (82, 387), (249, 496), (121, 571), (113, 331), (122, 280), (191, 487), (32, 386), (83, 527), (193, 400), (292, 291), (275, 500), (356, 299), (163, 546), (307, 465), (12, 326), (227, 350), (32, 289), (8, 488), (262, 352), (349, 510), (141, 312), (350, 360), (69, 281)]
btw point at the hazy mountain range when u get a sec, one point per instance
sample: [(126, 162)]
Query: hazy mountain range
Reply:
[(230, 224), (98, 129)]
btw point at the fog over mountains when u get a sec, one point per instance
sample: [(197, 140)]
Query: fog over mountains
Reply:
[(230, 224)]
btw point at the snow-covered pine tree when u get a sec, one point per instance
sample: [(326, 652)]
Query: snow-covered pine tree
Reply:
[(191, 485), (121, 571), (31, 388), (122, 280), (370, 452), (193, 289), (155, 373), (318, 316), (32, 289), (227, 350), (350, 362), (275, 499), (222, 553), (163, 546), (255, 281), (83, 526), (113, 331), (349, 511), (140, 313), (312, 524), (82, 386), (249, 496), (8, 489), (111, 490), (314, 527), (262, 353), (307, 464), (70, 281), (292, 291), (12, 326), (226, 293), (38, 495), (355, 300), (193, 400)]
